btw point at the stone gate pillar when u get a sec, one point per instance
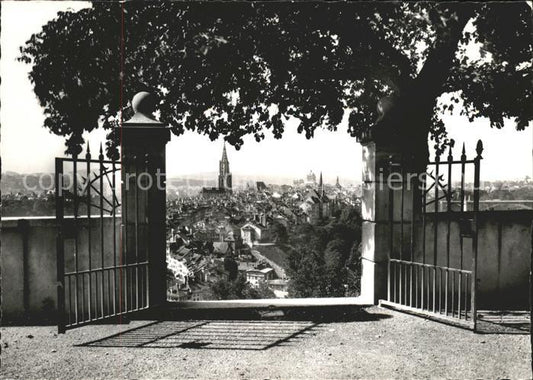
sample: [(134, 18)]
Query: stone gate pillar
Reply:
[(143, 141), (375, 214), (390, 195)]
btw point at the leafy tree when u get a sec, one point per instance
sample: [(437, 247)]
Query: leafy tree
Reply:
[(334, 254), (231, 266), (351, 216), (241, 289), (279, 233), (300, 233), (305, 269), (264, 292), (209, 247), (324, 261), (237, 288), (234, 69), (354, 270), (221, 289)]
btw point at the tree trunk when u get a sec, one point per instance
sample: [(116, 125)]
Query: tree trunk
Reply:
[(409, 123)]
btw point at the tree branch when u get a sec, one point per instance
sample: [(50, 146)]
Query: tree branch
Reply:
[(436, 69)]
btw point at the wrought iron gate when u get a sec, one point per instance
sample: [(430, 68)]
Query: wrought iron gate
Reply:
[(432, 266), (98, 275)]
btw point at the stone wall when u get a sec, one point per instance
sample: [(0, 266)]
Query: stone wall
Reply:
[(504, 254), (29, 266)]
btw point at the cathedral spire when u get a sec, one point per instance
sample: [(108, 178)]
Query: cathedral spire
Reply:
[(224, 175), (224, 155)]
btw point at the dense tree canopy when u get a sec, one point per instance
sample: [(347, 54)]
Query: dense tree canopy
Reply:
[(324, 260), (239, 288), (234, 69)]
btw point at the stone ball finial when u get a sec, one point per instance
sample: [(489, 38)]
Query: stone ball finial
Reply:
[(144, 102)]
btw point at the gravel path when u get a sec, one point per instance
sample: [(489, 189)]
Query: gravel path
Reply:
[(395, 345)]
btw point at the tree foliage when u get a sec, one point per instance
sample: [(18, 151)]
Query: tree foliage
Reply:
[(235, 69), (279, 233), (231, 267), (239, 288), (324, 260)]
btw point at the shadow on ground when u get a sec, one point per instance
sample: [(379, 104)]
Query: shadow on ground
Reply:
[(227, 335), (233, 329)]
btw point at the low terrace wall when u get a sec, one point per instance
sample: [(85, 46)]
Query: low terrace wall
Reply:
[(29, 266), (504, 254)]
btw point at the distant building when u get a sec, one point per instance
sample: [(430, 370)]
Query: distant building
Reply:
[(178, 268), (256, 276), (316, 205), (213, 192), (224, 175), (199, 293), (298, 182), (254, 233), (310, 179), (224, 179), (222, 248), (261, 186), (280, 287), (210, 234)]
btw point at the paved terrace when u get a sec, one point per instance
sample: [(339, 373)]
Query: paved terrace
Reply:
[(375, 343)]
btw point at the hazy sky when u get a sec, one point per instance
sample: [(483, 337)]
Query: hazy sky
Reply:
[(27, 147)]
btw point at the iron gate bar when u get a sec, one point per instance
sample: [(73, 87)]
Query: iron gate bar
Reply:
[(88, 201), (391, 233), (435, 224), (136, 231), (123, 266), (125, 245), (434, 287), (414, 187), (463, 167), (92, 161), (76, 210), (397, 263), (458, 322), (473, 161), (479, 150), (402, 176), (448, 201), (102, 263), (82, 279), (113, 191), (59, 244), (146, 294)]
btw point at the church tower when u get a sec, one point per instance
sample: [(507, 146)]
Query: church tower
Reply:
[(224, 175), (321, 186)]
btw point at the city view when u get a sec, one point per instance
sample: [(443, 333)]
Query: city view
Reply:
[(239, 237), (263, 240)]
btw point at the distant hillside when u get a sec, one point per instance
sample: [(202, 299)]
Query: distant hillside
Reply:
[(192, 182), (14, 182), (240, 180)]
